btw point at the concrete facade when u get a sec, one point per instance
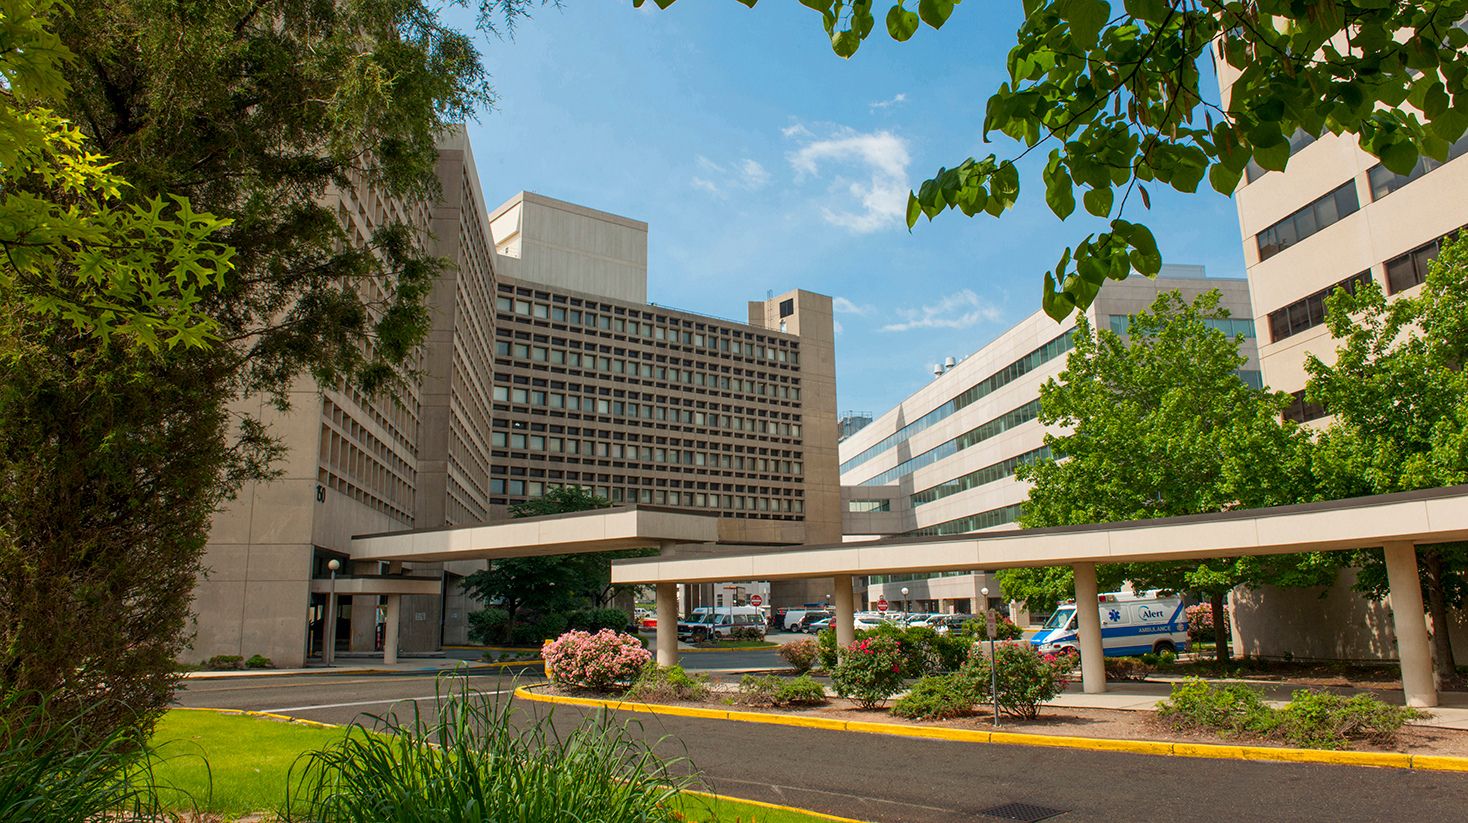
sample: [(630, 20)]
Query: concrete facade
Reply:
[(942, 461), (722, 417)]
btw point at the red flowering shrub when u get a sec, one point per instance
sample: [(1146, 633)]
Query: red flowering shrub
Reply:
[(869, 671), (1200, 623), (1026, 678), (581, 660)]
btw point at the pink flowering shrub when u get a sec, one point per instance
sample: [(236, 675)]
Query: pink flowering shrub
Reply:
[(582, 660), (869, 671), (1200, 622), (1026, 678)]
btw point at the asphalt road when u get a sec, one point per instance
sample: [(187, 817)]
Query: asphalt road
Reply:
[(880, 778)]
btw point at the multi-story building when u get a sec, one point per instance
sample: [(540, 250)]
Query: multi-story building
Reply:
[(545, 365), (1335, 218), (943, 460)]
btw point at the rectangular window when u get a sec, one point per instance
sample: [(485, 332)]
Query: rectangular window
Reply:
[(1384, 181), (1302, 410), (869, 505), (1309, 312), (1327, 210), (787, 307), (1410, 269)]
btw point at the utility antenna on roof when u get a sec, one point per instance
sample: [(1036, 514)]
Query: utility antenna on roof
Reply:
[(769, 294)]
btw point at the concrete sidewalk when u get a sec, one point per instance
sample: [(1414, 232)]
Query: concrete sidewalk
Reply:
[(1144, 696)]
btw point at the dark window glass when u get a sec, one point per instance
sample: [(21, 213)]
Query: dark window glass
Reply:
[(1309, 312), (1302, 410), (1384, 181), (1312, 218), (787, 307)]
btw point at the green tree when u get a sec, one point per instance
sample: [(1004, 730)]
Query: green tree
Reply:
[(1399, 398), (113, 458), (551, 584), (1158, 423), (1116, 92)]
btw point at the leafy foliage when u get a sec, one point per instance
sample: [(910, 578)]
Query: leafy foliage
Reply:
[(869, 671), (938, 697), (1117, 92), (1127, 668), (580, 660), (1025, 677), (779, 692), (1228, 709), (1399, 397), (660, 684), (802, 654), (1314, 719), (1157, 424), (477, 758)]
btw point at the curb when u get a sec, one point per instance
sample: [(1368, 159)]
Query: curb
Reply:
[(1390, 760), (776, 806), (717, 650), (266, 715), (350, 671)]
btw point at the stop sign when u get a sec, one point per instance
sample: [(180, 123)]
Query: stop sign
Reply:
[(882, 604), (756, 600)]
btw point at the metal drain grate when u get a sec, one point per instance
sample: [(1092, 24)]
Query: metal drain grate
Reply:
[(1023, 812)]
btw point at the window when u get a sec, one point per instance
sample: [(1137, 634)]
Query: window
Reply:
[(1230, 326), (1302, 410), (869, 505), (1324, 212), (1385, 181), (1299, 140), (1411, 268), (787, 307), (1309, 312)]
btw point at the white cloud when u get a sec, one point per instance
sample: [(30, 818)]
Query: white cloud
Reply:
[(955, 311), (740, 175), (880, 161), (896, 100), (796, 130), (841, 305), (837, 327)]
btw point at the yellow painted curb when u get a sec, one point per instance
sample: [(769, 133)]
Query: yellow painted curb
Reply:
[(1390, 760), (776, 806), (267, 715)]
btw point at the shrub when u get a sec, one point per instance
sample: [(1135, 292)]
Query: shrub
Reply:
[(769, 690), (259, 661), (1127, 668), (1325, 720), (1004, 629), (489, 626), (869, 671), (225, 662), (1026, 678), (477, 758), (594, 620), (663, 683), (924, 651), (938, 697), (1200, 623), (581, 660), (746, 633), (800, 654), (534, 631), (826, 649), (1228, 709), (53, 770)]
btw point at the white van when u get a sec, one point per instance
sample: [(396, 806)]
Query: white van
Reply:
[(1131, 624), (711, 623)]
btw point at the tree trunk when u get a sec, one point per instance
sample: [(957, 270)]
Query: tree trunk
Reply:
[(1437, 609), (1220, 628)]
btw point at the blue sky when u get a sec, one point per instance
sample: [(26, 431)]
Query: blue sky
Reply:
[(764, 162)]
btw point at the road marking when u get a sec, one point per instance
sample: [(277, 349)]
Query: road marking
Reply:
[(374, 702), (781, 789)]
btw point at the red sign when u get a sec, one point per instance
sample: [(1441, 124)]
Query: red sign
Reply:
[(756, 600), (882, 604)]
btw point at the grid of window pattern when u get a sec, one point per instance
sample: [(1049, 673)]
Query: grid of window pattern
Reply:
[(974, 436), (644, 405), (974, 522), (467, 482), (1044, 354), (1384, 181), (1325, 211), (979, 477), (1410, 269), (1309, 312), (869, 505), (1230, 326)]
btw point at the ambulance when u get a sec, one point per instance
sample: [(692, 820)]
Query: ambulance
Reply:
[(1132, 623)]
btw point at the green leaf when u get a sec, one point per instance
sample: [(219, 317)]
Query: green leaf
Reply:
[(1086, 17), (935, 12), (845, 43), (901, 24), (1059, 190), (1399, 155), (1272, 157), (1098, 201), (1223, 179), (914, 210)]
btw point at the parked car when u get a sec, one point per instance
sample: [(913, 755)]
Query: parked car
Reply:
[(809, 619), (793, 617), (721, 623), (945, 623), (821, 625)]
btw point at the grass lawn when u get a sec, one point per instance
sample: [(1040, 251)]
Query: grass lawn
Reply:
[(249, 759)]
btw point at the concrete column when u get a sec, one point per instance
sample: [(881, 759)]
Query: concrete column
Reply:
[(845, 609), (328, 633), (1413, 647), (667, 631), (1088, 617), (364, 623), (390, 629)]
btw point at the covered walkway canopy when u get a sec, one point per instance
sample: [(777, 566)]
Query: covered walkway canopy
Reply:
[(1395, 522)]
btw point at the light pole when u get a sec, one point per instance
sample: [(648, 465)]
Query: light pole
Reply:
[(904, 600), (328, 651), (991, 629)]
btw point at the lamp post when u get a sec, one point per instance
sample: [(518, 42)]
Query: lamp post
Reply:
[(328, 651), (905, 607), (992, 629)]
